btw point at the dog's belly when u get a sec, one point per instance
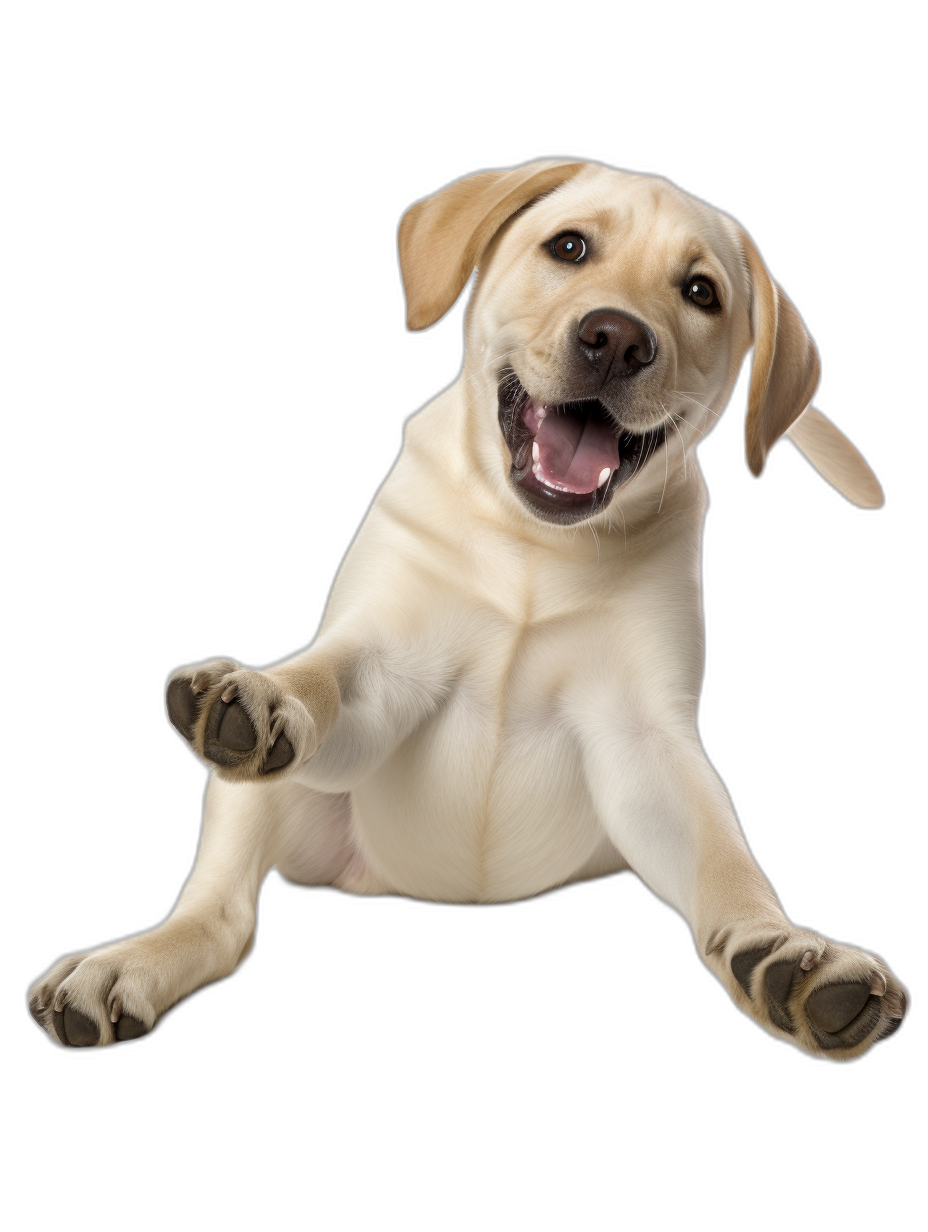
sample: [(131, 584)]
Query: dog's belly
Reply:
[(473, 810)]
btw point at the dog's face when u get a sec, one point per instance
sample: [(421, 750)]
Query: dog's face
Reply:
[(608, 324), (609, 315)]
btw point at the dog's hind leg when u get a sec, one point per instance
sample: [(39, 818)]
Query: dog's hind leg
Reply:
[(119, 991), (664, 808)]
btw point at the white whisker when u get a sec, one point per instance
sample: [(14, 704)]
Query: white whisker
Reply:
[(689, 398), (673, 420), (595, 539), (664, 488)]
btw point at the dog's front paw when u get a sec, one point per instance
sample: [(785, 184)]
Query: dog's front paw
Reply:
[(242, 722), (830, 999), (101, 998)]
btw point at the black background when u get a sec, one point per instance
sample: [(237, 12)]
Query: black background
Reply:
[(223, 295)]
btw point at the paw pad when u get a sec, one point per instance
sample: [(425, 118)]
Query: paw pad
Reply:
[(182, 707), (229, 733), (835, 1006)]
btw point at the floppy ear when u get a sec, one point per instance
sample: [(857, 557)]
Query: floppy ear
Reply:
[(785, 369), (443, 237), (784, 375)]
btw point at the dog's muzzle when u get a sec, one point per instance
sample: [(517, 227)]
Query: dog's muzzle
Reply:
[(568, 460)]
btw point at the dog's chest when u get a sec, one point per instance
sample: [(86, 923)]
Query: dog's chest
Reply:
[(488, 798)]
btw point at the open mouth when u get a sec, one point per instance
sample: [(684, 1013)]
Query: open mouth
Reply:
[(568, 460)]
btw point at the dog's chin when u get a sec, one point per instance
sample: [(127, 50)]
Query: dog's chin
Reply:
[(568, 460)]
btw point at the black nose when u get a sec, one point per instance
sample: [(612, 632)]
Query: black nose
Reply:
[(614, 343)]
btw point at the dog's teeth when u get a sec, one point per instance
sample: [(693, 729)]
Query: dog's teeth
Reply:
[(603, 476), (541, 412), (536, 452)]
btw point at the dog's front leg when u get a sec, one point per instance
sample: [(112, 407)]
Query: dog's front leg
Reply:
[(332, 712), (666, 811)]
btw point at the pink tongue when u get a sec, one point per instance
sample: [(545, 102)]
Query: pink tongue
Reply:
[(574, 454)]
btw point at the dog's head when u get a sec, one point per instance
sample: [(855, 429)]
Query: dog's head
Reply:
[(610, 318)]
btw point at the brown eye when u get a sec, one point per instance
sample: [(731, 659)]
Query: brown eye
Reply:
[(569, 247), (701, 292)]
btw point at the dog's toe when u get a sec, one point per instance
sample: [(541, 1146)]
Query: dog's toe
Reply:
[(743, 964), (894, 1024), (57, 1021), (182, 706), (835, 1006), (280, 754), (82, 1032), (73, 1028), (129, 1028), (779, 979), (229, 733), (236, 731)]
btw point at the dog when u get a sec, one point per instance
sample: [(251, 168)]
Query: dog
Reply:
[(498, 701)]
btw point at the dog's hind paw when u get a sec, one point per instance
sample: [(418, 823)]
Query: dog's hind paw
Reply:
[(89, 1000), (830, 999)]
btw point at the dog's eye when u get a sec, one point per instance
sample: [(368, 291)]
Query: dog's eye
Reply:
[(701, 292), (569, 247)]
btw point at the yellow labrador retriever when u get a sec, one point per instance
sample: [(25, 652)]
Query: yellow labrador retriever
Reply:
[(499, 701)]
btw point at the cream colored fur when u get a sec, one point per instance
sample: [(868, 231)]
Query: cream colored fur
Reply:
[(496, 705)]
